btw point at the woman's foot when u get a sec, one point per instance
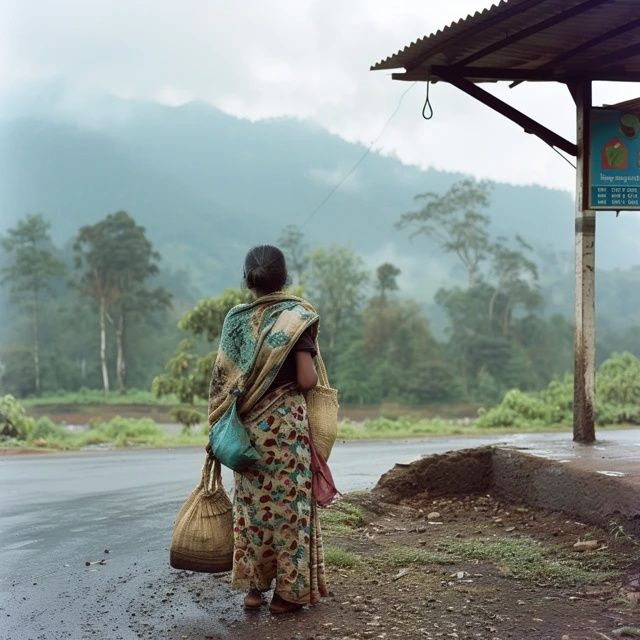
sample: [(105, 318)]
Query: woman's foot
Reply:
[(253, 599), (280, 605)]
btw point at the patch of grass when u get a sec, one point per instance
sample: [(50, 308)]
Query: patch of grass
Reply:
[(402, 427), (401, 556), (197, 437), (123, 432), (528, 559), (335, 557), (118, 432), (97, 397), (341, 518), (415, 427)]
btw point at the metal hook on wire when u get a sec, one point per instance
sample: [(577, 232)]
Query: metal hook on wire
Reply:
[(427, 103)]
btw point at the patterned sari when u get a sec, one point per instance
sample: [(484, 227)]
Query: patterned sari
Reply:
[(276, 528)]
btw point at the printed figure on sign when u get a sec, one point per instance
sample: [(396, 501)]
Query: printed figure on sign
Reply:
[(615, 155)]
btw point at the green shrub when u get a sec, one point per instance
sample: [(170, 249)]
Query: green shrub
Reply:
[(517, 409), (618, 399), (14, 422), (558, 397), (187, 416), (619, 380), (123, 432), (48, 430)]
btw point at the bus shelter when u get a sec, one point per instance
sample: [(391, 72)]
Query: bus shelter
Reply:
[(576, 43)]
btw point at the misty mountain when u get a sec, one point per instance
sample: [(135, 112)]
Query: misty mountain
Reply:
[(207, 186)]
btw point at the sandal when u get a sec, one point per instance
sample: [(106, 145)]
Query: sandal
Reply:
[(279, 605), (253, 600)]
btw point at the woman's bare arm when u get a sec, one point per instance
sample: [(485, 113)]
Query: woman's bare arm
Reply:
[(306, 372)]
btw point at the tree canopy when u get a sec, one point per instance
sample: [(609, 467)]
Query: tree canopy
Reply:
[(29, 275)]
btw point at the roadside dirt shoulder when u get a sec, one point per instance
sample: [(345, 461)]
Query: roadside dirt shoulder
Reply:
[(470, 567)]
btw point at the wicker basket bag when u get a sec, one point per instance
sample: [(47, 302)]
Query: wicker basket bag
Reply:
[(203, 534), (322, 410)]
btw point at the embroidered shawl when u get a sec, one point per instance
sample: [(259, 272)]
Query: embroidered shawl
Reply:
[(256, 338)]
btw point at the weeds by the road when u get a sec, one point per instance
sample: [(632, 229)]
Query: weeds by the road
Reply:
[(341, 558), (97, 397), (520, 557), (117, 432), (412, 427), (401, 555), (341, 518), (22, 431), (529, 559)]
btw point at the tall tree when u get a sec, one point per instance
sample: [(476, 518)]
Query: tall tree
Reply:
[(292, 243), (93, 249), (386, 275), (115, 258), (134, 262), (337, 282), (516, 278), (454, 221), (490, 324), (30, 274)]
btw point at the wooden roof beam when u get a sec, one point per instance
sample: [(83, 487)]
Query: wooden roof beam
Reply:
[(527, 123), (495, 74)]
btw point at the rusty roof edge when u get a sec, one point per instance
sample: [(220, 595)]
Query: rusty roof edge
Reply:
[(489, 12)]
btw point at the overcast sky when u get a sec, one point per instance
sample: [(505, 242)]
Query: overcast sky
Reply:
[(303, 58)]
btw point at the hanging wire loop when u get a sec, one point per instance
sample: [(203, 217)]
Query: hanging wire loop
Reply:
[(427, 103)]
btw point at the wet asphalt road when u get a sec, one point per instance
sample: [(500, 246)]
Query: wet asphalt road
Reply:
[(59, 511)]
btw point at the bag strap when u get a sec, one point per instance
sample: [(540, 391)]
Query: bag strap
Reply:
[(323, 378), (211, 474), (206, 471)]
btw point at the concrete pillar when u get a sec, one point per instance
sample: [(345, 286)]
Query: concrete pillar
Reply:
[(584, 393)]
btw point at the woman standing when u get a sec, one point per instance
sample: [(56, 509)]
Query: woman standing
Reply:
[(265, 359)]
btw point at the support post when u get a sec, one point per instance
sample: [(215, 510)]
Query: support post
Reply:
[(585, 244)]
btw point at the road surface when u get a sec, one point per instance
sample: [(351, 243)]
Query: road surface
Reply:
[(58, 512)]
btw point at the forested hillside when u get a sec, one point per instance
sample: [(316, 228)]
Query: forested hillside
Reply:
[(206, 186)]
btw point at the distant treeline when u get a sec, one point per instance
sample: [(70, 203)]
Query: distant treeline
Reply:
[(377, 341), (92, 315), (102, 313)]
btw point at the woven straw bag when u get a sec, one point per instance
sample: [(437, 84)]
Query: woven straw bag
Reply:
[(203, 534), (322, 410)]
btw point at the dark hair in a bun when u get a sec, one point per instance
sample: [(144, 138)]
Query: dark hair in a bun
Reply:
[(265, 269)]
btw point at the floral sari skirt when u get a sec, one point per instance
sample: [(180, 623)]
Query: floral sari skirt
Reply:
[(276, 528)]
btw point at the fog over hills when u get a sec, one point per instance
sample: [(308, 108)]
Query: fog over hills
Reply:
[(207, 185)]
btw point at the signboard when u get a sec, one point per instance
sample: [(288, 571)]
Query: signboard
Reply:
[(615, 159)]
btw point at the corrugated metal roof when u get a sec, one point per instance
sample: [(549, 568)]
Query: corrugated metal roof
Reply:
[(531, 39)]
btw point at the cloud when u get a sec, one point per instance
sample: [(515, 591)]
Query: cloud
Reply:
[(307, 59)]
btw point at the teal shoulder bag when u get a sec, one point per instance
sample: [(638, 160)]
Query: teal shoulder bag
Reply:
[(230, 441)]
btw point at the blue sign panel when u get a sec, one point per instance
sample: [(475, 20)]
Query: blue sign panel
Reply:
[(615, 159)]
